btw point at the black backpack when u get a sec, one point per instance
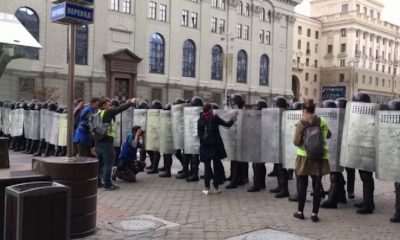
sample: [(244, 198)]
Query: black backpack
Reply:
[(206, 133), (313, 140)]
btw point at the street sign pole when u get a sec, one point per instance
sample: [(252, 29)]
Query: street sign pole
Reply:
[(71, 89)]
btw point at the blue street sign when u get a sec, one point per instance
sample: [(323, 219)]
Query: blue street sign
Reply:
[(72, 13), (79, 2)]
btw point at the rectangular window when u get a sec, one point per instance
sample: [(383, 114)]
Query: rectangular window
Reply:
[(316, 63), (341, 77), (246, 32), (239, 31), (376, 81), (79, 89), (345, 8), (343, 47), (316, 48), (330, 49), (222, 4), (363, 79), (221, 26), (308, 32), (364, 35), (363, 51), (343, 32), (163, 12), (152, 10), (315, 92), (383, 68), (299, 30), (383, 82), (370, 81), (377, 67), (371, 13), (316, 35), (126, 6), (194, 20), (114, 5), (268, 37), (185, 17), (357, 33), (315, 77), (262, 36), (365, 11), (213, 24), (378, 15), (26, 86), (389, 69), (307, 62), (358, 7), (156, 93), (371, 38), (306, 91), (214, 3), (307, 76), (342, 62)]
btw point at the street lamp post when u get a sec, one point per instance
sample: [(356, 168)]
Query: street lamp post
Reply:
[(354, 61)]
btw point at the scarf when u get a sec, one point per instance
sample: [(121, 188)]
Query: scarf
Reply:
[(207, 115)]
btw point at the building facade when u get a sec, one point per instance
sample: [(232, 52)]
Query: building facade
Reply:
[(160, 49), (358, 50)]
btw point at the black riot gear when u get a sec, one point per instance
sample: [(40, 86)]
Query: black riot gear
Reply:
[(214, 106), (179, 101), (394, 105), (297, 106), (156, 104), (114, 103), (52, 107), (361, 97), (237, 100), (143, 105), (260, 104), (280, 102), (167, 106), (31, 106), (341, 102), (329, 104), (196, 101)]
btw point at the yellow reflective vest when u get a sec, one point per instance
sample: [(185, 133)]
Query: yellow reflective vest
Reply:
[(301, 151)]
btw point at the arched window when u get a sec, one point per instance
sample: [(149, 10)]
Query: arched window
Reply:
[(157, 54), (189, 59), (262, 14), (269, 16), (247, 10), (30, 20), (241, 67), (264, 70), (216, 63), (82, 43), (240, 8)]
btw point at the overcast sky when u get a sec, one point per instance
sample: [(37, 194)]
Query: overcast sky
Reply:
[(390, 12)]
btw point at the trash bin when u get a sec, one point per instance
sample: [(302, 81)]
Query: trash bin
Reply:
[(4, 158), (37, 211)]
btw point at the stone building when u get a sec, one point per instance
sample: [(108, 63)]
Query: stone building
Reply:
[(160, 49)]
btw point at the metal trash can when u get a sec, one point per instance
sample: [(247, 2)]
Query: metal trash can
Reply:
[(37, 211)]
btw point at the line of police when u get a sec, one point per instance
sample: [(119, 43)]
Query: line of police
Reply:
[(238, 170)]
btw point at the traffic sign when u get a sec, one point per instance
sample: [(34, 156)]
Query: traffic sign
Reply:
[(67, 13)]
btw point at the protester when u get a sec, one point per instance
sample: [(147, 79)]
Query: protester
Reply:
[(128, 166), (105, 147), (211, 146), (312, 157), (82, 140)]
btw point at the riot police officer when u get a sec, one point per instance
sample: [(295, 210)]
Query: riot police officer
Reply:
[(155, 156), (143, 105), (28, 141), (166, 156), (259, 169), (35, 142), (194, 159), (394, 105), (50, 148), (367, 206), (42, 142), (239, 170), (337, 193)]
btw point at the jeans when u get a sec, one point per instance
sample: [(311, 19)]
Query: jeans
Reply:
[(105, 155), (208, 172), (302, 192)]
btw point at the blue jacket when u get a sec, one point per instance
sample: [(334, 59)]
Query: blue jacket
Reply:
[(81, 134), (128, 153)]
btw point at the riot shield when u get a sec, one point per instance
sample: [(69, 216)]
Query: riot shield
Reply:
[(249, 136), (166, 139), (191, 139), (117, 138), (48, 124), (18, 123), (178, 126), (1, 119), (43, 123), (55, 128), (228, 135), (34, 125), (271, 142), (62, 134), (387, 146), (289, 150), (335, 119), (153, 130), (6, 121), (139, 118), (27, 124), (358, 142), (126, 123)]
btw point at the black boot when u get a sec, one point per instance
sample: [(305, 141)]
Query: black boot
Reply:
[(368, 193), (185, 164), (49, 150), (156, 161), (18, 144), (194, 165), (332, 200), (234, 176), (243, 173), (63, 152), (12, 143), (283, 184), (28, 145), (167, 166), (151, 156), (351, 176), (34, 146), (396, 217), (294, 198), (40, 148), (341, 189), (256, 178), (58, 151), (274, 172)]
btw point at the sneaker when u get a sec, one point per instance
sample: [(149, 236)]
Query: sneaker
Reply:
[(216, 191), (315, 218), (114, 174), (111, 188), (206, 191), (299, 215)]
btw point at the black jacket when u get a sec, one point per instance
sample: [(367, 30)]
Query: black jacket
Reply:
[(217, 150)]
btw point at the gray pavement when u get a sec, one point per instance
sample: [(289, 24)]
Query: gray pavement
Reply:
[(174, 209)]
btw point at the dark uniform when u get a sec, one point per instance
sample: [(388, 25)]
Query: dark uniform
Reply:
[(155, 156), (28, 142)]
